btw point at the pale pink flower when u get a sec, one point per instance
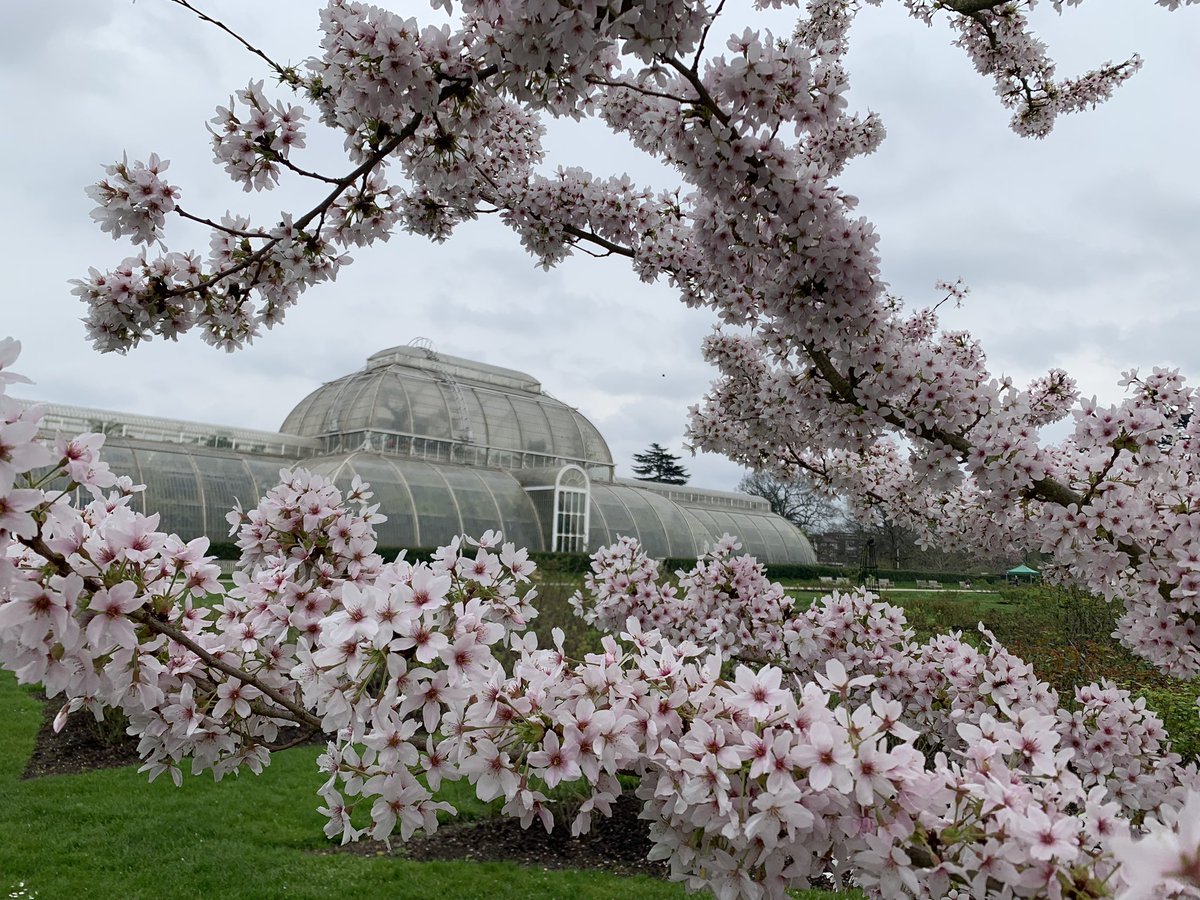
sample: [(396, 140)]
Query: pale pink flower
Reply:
[(555, 762), (759, 692), (110, 623)]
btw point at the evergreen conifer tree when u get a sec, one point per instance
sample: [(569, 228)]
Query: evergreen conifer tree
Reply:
[(659, 464)]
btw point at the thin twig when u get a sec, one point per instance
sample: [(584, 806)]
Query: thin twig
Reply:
[(282, 71), (157, 625), (702, 94), (216, 226)]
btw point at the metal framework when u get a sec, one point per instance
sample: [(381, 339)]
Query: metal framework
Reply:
[(449, 446)]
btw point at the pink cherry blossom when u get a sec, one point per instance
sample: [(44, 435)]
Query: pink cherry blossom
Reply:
[(842, 747)]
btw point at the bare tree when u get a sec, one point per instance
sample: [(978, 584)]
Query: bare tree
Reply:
[(799, 501)]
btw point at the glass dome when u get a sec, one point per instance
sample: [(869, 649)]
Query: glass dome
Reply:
[(450, 446), (412, 402)]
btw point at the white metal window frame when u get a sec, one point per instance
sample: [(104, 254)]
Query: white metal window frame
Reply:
[(571, 540)]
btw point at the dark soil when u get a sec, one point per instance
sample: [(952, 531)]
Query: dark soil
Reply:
[(83, 744), (618, 844)]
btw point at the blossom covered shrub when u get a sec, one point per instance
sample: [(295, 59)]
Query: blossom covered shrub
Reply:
[(773, 747)]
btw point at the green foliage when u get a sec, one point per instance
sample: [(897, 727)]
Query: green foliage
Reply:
[(109, 730), (224, 550), (551, 564), (805, 572), (1177, 707), (554, 611), (659, 464)]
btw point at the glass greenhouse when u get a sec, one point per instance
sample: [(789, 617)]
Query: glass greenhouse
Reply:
[(449, 446)]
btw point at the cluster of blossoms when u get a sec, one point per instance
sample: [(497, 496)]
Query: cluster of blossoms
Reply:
[(839, 745), (758, 231), (844, 751), (722, 603), (1113, 504), (136, 200), (753, 784), (253, 146), (1053, 782)]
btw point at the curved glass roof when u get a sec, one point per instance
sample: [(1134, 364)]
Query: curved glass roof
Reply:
[(428, 504), (412, 394), (193, 488), (450, 446), (665, 527)]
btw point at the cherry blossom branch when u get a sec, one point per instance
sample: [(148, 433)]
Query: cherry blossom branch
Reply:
[(216, 226), (1046, 489), (704, 35), (157, 625), (970, 7), (38, 545), (636, 88), (1042, 489), (305, 173), (453, 87), (305, 735), (340, 186), (584, 235), (703, 97)]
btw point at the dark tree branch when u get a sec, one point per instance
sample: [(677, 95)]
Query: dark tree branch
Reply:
[(38, 545)]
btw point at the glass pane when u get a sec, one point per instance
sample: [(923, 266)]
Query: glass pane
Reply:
[(519, 521), (437, 515), (476, 508), (392, 495), (173, 490), (535, 430), (566, 441), (502, 431), (430, 414), (225, 481), (392, 410)]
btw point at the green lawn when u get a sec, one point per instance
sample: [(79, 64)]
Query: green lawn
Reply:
[(110, 834)]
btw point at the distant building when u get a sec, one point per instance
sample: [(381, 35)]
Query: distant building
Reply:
[(449, 446)]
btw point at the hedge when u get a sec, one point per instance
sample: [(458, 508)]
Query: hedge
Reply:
[(580, 563)]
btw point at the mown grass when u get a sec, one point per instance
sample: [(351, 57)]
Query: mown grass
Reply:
[(109, 834)]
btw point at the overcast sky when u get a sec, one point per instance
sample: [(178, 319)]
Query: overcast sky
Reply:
[(1081, 250)]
